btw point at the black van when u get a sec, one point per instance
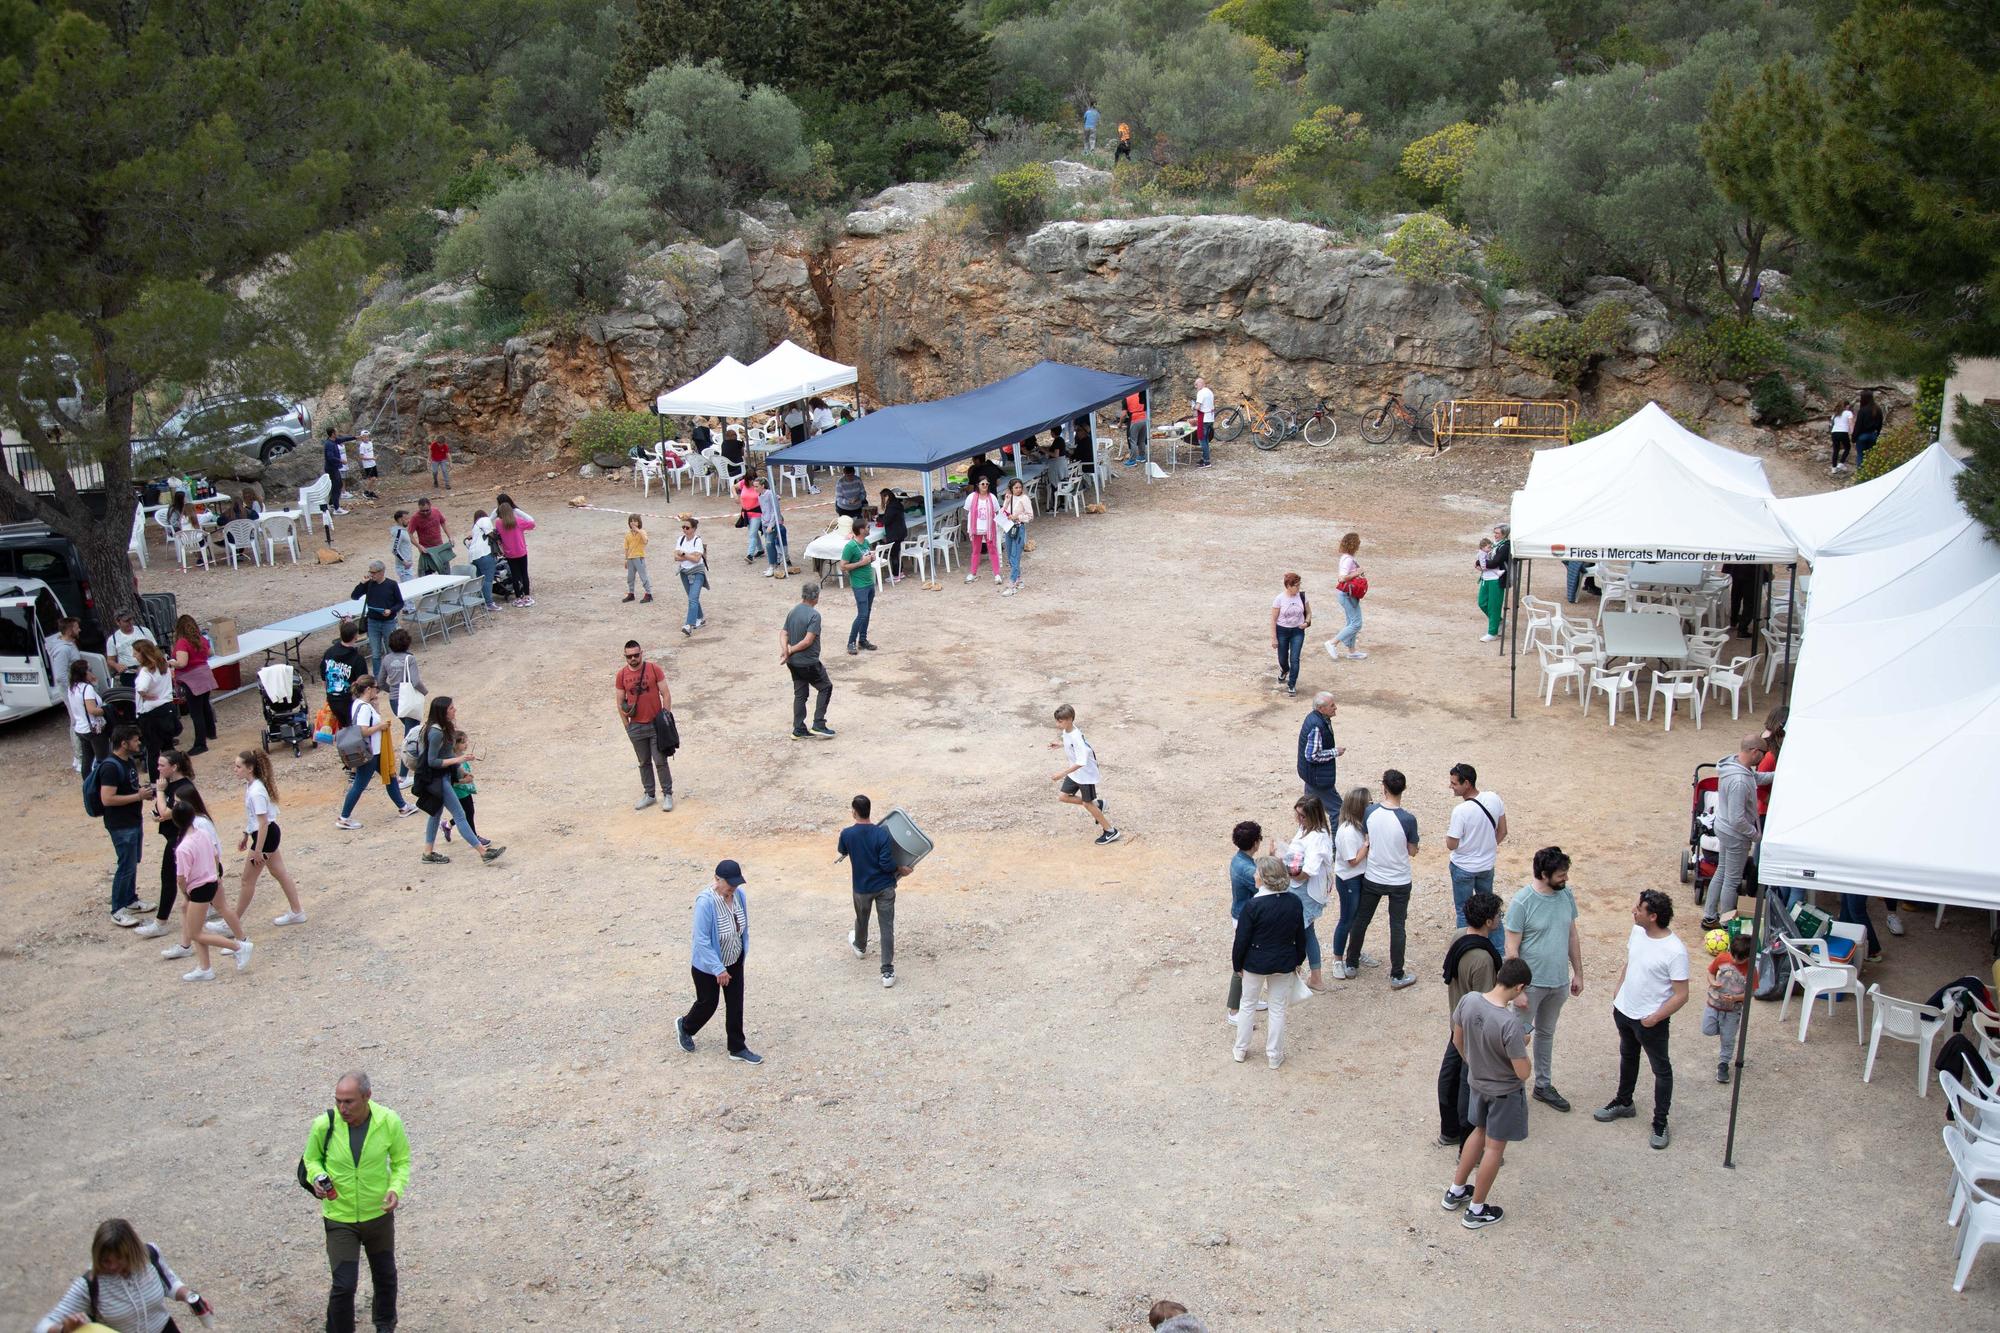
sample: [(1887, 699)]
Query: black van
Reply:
[(31, 551)]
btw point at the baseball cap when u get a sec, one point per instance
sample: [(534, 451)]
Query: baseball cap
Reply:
[(730, 873)]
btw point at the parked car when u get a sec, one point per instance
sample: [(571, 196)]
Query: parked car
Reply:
[(28, 616), (30, 551), (260, 424)]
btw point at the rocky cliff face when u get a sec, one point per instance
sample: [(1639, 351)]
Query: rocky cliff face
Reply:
[(1265, 309)]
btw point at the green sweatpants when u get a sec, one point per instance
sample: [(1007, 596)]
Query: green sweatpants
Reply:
[(1492, 600)]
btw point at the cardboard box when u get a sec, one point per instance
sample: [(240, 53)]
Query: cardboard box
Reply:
[(222, 639)]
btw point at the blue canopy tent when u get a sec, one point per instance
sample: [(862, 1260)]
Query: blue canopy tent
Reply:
[(923, 437)]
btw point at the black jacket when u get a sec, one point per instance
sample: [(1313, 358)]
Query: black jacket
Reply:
[(1270, 935)]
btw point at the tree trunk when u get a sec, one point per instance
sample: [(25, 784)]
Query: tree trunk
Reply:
[(107, 563)]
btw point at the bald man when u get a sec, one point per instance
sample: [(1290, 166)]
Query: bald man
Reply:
[(1318, 755)]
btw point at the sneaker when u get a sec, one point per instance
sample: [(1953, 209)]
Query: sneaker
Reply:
[(152, 930), (1481, 1215), (867, 647), (643, 802), (822, 729), (342, 821), (801, 735), (1099, 802), (1358, 656), (1398, 982), (1342, 972), (1445, 1140), (289, 919), (1109, 835), (667, 803), (859, 952), (1237, 1054), (1369, 959), (996, 580), (1550, 1097), (702, 623), (491, 852), (1610, 1112), (888, 980), (405, 811), (853, 651), (176, 951), (686, 632), (1205, 463), (1711, 923), (628, 597), (1010, 592), (647, 598), (435, 859), (243, 948), (1895, 923), (1488, 638), (1722, 1071), (1277, 1060), (1229, 1018), (747, 1056), (1292, 691), (199, 974), (123, 918), (1455, 1196), (970, 577), (220, 927), (770, 571), (680, 1033), (1661, 1138)]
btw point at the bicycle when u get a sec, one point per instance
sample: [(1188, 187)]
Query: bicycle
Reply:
[(1231, 421), (1318, 427), (1379, 425)]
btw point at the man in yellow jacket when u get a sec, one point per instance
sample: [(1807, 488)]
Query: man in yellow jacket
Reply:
[(358, 1164)]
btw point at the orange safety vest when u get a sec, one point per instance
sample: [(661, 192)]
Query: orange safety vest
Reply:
[(1135, 406)]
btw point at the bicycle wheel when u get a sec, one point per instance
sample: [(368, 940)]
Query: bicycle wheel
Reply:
[(1270, 433), (1375, 427), (1320, 429), (1229, 423)]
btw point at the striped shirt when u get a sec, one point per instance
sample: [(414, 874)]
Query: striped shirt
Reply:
[(729, 925), (134, 1304)]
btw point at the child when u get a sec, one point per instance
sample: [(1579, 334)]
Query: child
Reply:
[(402, 550), (1079, 780), (635, 557), (1728, 983), (463, 787), (365, 446)]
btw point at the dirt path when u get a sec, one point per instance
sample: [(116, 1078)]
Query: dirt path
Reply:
[(1040, 1126)]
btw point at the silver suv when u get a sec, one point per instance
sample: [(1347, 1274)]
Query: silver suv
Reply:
[(265, 425)]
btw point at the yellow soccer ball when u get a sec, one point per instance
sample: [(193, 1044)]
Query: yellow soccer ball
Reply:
[(1716, 941)]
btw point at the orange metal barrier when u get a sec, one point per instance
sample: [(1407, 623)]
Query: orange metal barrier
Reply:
[(1502, 419)]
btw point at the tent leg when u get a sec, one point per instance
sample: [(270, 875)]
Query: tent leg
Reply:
[(1765, 892), (1514, 639), (1791, 629), (1096, 460), (1146, 399), (930, 527)]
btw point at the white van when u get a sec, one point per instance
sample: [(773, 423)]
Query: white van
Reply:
[(29, 613)]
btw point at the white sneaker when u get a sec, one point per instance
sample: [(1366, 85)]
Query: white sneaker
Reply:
[(407, 811), (888, 980), (1277, 1060), (124, 918), (1895, 924), (243, 948), (176, 951), (1488, 638), (1237, 1056), (199, 974), (1369, 959), (859, 952), (1357, 656), (152, 929), (341, 821), (218, 926), (770, 571), (970, 577), (289, 919)]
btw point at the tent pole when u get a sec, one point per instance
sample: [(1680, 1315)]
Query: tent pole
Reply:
[(930, 528), (1765, 892), (1146, 400), (1096, 459), (1514, 638), (1791, 628)]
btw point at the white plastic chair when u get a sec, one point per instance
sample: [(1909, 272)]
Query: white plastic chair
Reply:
[(1612, 682), (137, 546), (1738, 678), (1557, 666), (1614, 592), (726, 472), (1542, 620), (313, 503), (1979, 1223), (280, 528), (1674, 686), (1068, 495), (191, 539), (1813, 975), (1920, 1024), (944, 545), (646, 469), (917, 547), (240, 535), (1774, 654)]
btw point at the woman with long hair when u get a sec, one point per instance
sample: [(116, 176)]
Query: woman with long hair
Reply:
[(1309, 858), (479, 553), (127, 1288), (1291, 615), (750, 509), (1350, 605), (1019, 511), (262, 837), (895, 531), (192, 672), (86, 714), (691, 563), (371, 714), (1350, 858), (153, 696), (176, 784), (437, 755), (1868, 419), (198, 873), (510, 529)]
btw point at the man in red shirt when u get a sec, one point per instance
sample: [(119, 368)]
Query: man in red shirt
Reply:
[(430, 530), (642, 696), (440, 464)]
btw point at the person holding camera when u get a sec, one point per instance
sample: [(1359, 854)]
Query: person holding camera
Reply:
[(357, 1164), (643, 700), (127, 1288)]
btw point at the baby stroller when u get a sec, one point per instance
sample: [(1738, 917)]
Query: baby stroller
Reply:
[(283, 695), (1698, 861)]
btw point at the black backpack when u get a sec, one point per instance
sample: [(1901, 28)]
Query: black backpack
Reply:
[(153, 1253), (305, 1183)]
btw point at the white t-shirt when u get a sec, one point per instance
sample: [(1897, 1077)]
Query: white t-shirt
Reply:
[(1347, 840), (1077, 750), (365, 716), (1651, 968), (1388, 850), (1478, 837), (1843, 423), (257, 801), (1204, 403), (689, 552), (155, 689), (119, 645), (80, 720), (1315, 853), (478, 541), (1348, 564), (365, 448)]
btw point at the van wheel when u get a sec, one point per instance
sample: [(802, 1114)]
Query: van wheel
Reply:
[(274, 447)]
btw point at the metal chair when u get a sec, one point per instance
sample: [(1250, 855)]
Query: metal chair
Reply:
[(426, 616)]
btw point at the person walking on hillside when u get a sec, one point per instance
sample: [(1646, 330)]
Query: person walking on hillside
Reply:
[(357, 1164), (382, 603), (718, 957), (643, 696), (871, 857), (1204, 417), (1493, 580), (440, 464), (1868, 420), (1318, 756), (198, 876), (1541, 930), (691, 563), (1392, 842), (1090, 118), (1078, 781), (798, 653), (1291, 617), (1840, 434), (123, 799), (1493, 1044), (438, 754), (1352, 587), (126, 1290), (1124, 148), (1470, 967), (1270, 944), (370, 715), (1652, 987), (1478, 827)]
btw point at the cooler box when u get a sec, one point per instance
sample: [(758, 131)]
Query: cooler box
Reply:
[(911, 844), (229, 676)]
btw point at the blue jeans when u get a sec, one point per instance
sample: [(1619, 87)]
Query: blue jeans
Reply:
[(378, 641), (1352, 610), (1465, 883), (1015, 540), (693, 583), (483, 566), (1854, 912), (458, 814), (756, 546), (1574, 582), (125, 879), (1348, 891), (864, 606), (1313, 910), (774, 545), (364, 775), (1291, 643)]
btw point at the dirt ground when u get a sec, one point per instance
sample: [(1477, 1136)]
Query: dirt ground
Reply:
[(1040, 1126)]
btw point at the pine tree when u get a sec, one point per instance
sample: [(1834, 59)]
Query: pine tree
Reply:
[(870, 50), (753, 41)]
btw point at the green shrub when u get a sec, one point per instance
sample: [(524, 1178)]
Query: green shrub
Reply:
[(1427, 247), (700, 142), (1977, 428), (609, 432), (1015, 201), (1902, 441), (1438, 161), (549, 241), (1773, 402), (484, 174), (1930, 404), (1725, 349), (1569, 349)]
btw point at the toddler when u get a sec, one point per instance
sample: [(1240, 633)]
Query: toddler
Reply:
[(635, 557), (1728, 984)]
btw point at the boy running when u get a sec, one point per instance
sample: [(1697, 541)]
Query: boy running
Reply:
[(1079, 781)]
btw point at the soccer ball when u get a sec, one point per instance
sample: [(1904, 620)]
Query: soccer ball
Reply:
[(1716, 941)]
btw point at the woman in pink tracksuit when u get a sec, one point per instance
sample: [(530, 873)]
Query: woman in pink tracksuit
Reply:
[(982, 525)]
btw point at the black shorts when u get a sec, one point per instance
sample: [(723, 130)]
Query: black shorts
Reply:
[(202, 893), (1087, 790), (371, 471), (272, 836)]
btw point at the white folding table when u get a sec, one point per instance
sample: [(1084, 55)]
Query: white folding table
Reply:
[(1666, 574), (1643, 634)]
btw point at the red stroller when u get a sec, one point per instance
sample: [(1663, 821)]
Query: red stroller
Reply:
[(1698, 861)]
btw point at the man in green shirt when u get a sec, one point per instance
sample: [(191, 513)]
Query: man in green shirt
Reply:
[(1541, 931), (858, 563), (358, 1164)]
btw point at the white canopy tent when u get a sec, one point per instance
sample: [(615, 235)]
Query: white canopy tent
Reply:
[(718, 391), (785, 374), (1915, 500)]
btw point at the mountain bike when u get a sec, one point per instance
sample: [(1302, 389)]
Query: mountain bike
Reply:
[(1378, 425), (1281, 424), (1231, 421)]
